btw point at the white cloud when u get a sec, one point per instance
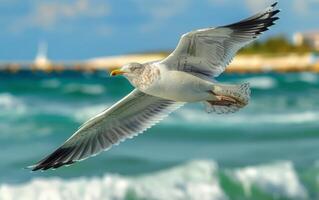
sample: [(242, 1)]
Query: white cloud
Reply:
[(252, 5), (46, 15), (160, 11), (258, 5), (306, 7)]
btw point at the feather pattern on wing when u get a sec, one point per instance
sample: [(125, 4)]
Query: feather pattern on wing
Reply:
[(207, 52), (130, 116)]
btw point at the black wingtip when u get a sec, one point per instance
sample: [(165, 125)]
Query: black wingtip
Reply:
[(54, 160), (30, 167), (274, 4), (275, 18), (275, 12), (258, 23), (35, 168), (53, 167)]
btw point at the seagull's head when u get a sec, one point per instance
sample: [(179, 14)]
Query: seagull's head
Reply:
[(130, 71)]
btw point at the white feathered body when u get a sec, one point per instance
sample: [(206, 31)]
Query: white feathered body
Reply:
[(178, 85)]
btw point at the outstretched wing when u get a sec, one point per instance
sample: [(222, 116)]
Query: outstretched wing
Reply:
[(127, 118), (207, 52)]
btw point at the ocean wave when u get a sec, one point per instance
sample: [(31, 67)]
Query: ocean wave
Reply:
[(8, 102), (261, 82), (279, 179), (308, 77), (50, 83), (92, 89), (199, 116), (79, 113), (193, 180)]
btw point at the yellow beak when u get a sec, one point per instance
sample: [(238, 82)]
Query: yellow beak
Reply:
[(116, 72)]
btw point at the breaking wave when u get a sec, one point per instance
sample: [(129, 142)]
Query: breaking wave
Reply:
[(279, 179), (309, 77), (261, 82), (51, 83), (91, 89), (192, 116), (193, 180), (11, 105)]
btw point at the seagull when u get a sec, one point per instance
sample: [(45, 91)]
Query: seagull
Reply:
[(161, 87)]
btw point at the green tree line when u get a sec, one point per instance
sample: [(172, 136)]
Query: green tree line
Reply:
[(275, 45)]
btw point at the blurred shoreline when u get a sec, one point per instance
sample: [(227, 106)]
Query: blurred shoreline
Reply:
[(275, 54), (243, 63)]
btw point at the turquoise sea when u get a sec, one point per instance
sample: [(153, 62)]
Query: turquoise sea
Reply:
[(269, 150)]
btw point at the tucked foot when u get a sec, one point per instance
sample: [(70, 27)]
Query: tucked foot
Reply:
[(228, 99)]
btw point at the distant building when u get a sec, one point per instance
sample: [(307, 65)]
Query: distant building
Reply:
[(309, 38), (41, 61)]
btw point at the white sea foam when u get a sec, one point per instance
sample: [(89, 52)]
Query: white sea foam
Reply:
[(192, 180), (308, 77), (279, 179), (196, 180), (198, 116), (51, 83), (8, 102), (93, 89), (261, 82)]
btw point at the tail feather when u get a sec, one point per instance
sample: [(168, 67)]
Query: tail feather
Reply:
[(241, 93), (220, 109), (244, 92)]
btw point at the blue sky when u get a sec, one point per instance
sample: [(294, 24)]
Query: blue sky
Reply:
[(82, 29)]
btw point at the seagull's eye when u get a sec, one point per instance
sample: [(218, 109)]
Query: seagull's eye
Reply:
[(133, 69)]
